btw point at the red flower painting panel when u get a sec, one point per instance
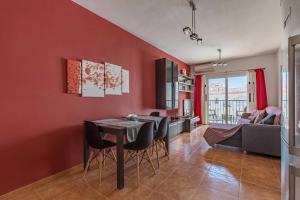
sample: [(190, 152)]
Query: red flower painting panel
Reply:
[(113, 79), (73, 76), (92, 79)]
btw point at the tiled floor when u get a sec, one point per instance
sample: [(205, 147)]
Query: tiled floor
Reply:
[(195, 171)]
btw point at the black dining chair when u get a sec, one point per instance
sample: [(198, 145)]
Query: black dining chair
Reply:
[(160, 136), (139, 148), (98, 147), (155, 114)]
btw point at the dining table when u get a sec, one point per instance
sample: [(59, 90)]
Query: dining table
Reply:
[(121, 128)]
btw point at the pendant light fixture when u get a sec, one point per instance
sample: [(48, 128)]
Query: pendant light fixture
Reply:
[(220, 63), (191, 32)]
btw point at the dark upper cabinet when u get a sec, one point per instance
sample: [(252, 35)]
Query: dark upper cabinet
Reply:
[(175, 72), (166, 73), (175, 85)]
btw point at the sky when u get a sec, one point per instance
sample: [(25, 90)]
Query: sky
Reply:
[(233, 82)]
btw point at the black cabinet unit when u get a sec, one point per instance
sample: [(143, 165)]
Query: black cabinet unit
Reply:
[(166, 73), (190, 123), (175, 128)]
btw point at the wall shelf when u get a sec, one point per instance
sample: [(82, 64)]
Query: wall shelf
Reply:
[(186, 83), (189, 91), (183, 83), (185, 76)]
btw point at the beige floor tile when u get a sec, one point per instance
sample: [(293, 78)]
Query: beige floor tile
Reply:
[(198, 161), (253, 192), (205, 193), (81, 191), (225, 169), (26, 193), (190, 171), (178, 191), (228, 157), (262, 178), (159, 196), (52, 189), (205, 151), (256, 162), (130, 193), (153, 181), (277, 166), (222, 183)]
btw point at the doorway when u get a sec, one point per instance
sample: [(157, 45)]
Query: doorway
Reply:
[(226, 98)]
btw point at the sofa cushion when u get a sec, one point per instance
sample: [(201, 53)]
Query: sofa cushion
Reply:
[(253, 116), (246, 115), (273, 109), (277, 120), (269, 119), (262, 114)]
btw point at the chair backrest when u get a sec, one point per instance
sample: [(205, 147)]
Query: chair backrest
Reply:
[(155, 114), (92, 134), (162, 128), (145, 136)]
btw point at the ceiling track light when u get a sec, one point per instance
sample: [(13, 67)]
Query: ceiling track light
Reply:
[(191, 32)]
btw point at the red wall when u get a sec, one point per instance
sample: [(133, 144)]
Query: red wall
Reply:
[(41, 125)]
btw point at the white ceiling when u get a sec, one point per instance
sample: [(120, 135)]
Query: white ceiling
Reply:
[(239, 27)]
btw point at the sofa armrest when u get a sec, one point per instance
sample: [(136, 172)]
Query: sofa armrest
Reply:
[(261, 138)]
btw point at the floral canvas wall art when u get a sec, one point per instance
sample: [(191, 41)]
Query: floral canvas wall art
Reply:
[(73, 76), (113, 79), (92, 79), (125, 81)]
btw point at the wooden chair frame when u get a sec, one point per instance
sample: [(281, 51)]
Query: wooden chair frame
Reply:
[(100, 155), (139, 155)]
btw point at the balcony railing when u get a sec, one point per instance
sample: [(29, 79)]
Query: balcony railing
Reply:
[(217, 111)]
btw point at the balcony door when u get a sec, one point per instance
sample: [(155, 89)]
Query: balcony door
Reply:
[(226, 98)]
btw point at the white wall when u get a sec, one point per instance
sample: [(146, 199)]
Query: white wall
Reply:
[(270, 62), (292, 28)]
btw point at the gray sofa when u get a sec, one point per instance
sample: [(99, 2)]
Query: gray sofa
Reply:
[(261, 138), (258, 138)]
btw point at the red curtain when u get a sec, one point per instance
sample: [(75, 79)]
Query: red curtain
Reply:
[(197, 97), (261, 92)]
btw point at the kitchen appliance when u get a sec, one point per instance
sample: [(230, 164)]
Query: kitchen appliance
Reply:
[(290, 123)]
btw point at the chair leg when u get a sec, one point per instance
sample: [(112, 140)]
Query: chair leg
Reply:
[(88, 163), (152, 148), (113, 154), (130, 156), (157, 159), (104, 156), (141, 159), (100, 165), (165, 148), (150, 161), (138, 167)]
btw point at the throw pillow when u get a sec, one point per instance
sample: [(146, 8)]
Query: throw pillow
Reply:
[(253, 116), (277, 120), (246, 115), (269, 119), (260, 116)]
